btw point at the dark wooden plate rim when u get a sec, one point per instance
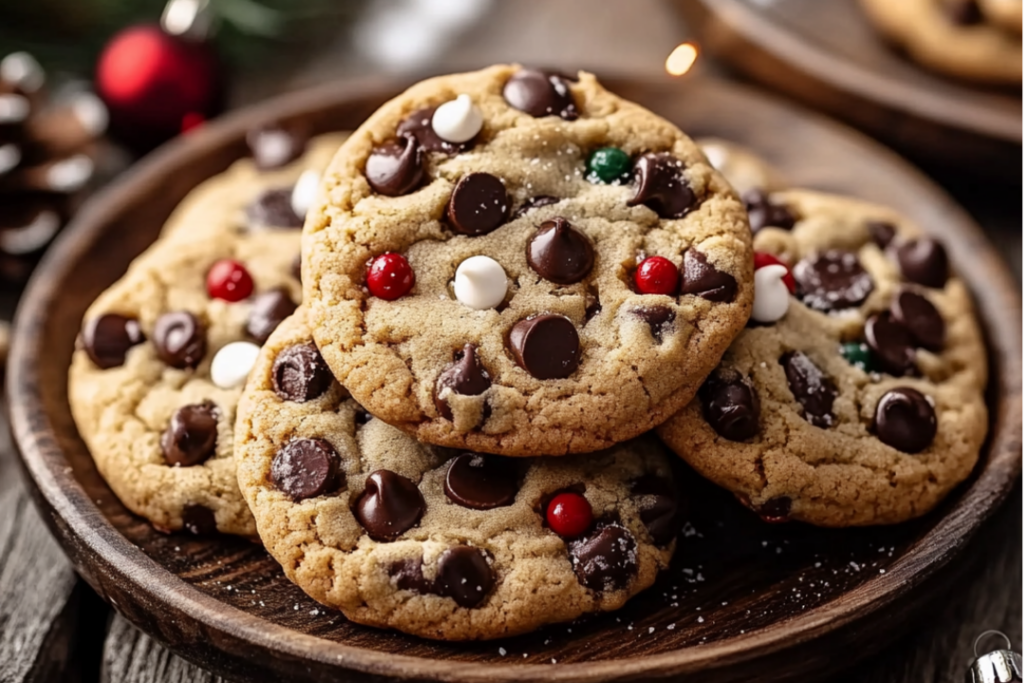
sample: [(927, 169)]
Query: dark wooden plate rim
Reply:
[(73, 512), (831, 68)]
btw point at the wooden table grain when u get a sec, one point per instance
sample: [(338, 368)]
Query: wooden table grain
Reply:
[(53, 629)]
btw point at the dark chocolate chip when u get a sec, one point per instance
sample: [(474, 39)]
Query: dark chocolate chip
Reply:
[(923, 261), (560, 253), (891, 344), (776, 510), (661, 185), (396, 168), (882, 233), (921, 318), (273, 209), (297, 268), (535, 203), (591, 303), (658, 318), (465, 376), (905, 420), (704, 280), (540, 93), (964, 12), (191, 436), (180, 339), (464, 575), (731, 405), (832, 280), (478, 205), (268, 310), (811, 387), (606, 559), (389, 506), (408, 576), (480, 481), (659, 509), (764, 213), (418, 125), (300, 374), (547, 346), (198, 520), (273, 147), (306, 468), (362, 416), (107, 338)]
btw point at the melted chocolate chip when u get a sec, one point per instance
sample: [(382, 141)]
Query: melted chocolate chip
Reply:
[(658, 318), (268, 310), (661, 185), (964, 12), (395, 168), (481, 482), (704, 280), (882, 233), (547, 346), (408, 575), (300, 374), (921, 318), (605, 560), (535, 203), (891, 344), (273, 147), (731, 405), (273, 209), (180, 339), (297, 268), (560, 253), (659, 509), (764, 213), (832, 280), (418, 125), (540, 93), (812, 388), (905, 420), (465, 376), (389, 505), (923, 261), (464, 575), (107, 338), (776, 510), (198, 520), (306, 468), (191, 436), (478, 205)]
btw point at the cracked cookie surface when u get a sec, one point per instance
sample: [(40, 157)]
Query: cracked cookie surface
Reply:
[(864, 403), (440, 543), (518, 248)]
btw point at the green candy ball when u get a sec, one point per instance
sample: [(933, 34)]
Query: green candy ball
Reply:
[(608, 165), (857, 354)]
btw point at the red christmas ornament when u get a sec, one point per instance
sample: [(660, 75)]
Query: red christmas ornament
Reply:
[(390, 277), (762, 259), (657, 275), (228, 280), (569, 514)]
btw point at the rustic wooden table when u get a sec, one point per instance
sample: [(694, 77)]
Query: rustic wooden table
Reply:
[(53, 628)]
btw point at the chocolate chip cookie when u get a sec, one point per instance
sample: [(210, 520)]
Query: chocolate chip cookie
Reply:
[(854, 396), (519, 262), (164, 352), (977, 40), (444, 544)]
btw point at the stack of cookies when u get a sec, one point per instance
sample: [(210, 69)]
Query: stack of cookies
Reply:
[(509, 278)]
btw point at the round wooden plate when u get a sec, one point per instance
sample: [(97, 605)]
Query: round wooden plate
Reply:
[(828, 55), (743, 599)]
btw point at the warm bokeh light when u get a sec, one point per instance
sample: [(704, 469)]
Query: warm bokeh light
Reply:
[(681, 59)]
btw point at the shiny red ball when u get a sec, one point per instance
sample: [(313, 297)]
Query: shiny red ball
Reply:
[(657, 275), (569, 514), (390, 277), (228, 280), (762, 259)]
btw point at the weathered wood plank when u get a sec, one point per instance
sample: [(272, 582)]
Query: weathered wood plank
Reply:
[(130, 656)]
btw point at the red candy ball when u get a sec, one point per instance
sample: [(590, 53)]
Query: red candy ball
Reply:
[(657, 275), (228, 280), (390, 277), (762, 259), (569, 514)]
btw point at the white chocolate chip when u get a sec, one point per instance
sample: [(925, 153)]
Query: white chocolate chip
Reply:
[(457, 120), (304, 193), (771, 296), (480, 282), (231, 365)]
